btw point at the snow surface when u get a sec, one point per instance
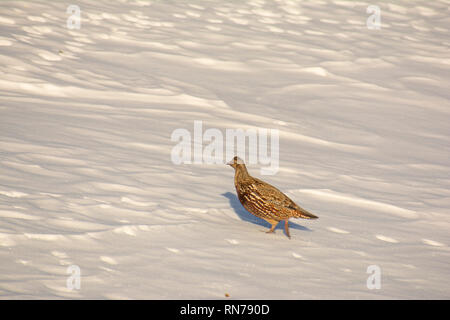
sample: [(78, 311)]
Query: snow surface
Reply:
[(86, 176)]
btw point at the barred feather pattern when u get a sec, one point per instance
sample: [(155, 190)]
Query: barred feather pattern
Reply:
[(264, 200)]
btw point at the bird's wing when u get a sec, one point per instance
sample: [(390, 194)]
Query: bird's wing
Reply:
[(279, 200), (271, 194)]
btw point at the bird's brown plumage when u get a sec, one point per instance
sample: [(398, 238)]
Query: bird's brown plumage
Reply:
[(264, 200)]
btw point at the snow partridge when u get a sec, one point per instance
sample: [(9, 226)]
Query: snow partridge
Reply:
[(264, 200)]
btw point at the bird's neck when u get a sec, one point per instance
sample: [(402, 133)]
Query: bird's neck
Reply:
[(241, 173)]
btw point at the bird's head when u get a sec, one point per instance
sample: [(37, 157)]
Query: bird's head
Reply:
[(236, 162)]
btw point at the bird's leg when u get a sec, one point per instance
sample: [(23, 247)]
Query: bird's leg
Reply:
[(286, 227), (273, 223), (272, 228)]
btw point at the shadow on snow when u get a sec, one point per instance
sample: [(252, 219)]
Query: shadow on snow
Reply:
[(244, 215)]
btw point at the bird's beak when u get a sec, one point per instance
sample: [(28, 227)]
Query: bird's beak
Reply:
[(230, 163)]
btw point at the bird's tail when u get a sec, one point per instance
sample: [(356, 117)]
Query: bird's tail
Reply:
[(302, 213)]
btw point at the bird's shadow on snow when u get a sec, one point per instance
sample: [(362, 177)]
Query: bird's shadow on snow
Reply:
[(244, 215)]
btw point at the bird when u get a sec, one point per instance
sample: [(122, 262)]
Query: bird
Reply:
[(264, 200)]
